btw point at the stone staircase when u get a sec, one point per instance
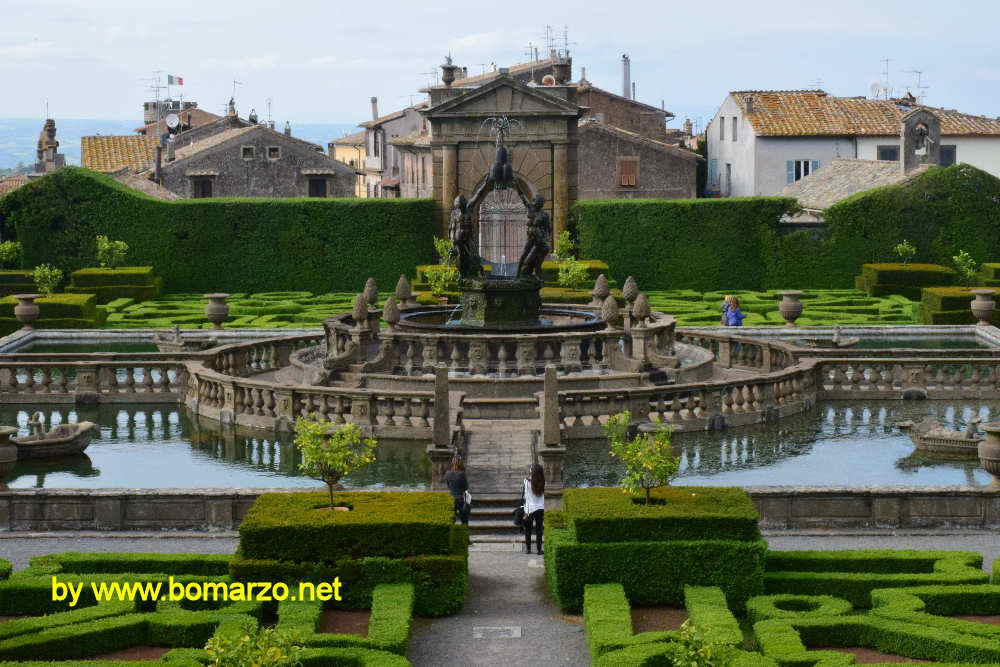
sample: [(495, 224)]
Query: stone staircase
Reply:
[(499, 453), (491, 519)]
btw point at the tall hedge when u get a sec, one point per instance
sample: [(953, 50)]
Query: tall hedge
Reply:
[(701, 244), (711, 244), (236, 245)]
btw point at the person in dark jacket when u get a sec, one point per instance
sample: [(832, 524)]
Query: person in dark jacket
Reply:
[(458, 484)]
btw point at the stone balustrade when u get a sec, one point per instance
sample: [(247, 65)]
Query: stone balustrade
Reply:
[(944, 378), (111, 381), (741, 352), (259, 356)]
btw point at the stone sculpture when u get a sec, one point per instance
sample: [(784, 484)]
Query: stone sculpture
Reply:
[(537, 247), (470, 264)]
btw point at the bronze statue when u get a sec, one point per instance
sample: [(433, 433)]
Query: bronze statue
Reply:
[(470, 264), (537, 247)]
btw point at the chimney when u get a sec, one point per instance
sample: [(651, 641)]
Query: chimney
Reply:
[(748, 103), (465, 72), (448, 70), (688, 127), (626, 76), (288, 129), (633, 91), (374, 108)]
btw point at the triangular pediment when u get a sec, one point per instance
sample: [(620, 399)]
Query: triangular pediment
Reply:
[(504, 95)]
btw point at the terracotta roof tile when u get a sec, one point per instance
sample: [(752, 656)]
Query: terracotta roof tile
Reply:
[(351, 139), (842, 177), (392, 116), (12, 183), (107, 153), (641, 139), (785, 113)]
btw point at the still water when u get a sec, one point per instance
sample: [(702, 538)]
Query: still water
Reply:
[(838, 443), (148, 446)]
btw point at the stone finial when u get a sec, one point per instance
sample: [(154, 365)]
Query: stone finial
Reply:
[(371, 292), (390, 313), (640, 309), (609, 311), (600, 292), (403, 292), (360, 311), (630, 290)]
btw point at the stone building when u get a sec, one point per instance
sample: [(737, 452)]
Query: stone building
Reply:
[(416, 176), (253, 161), (351, 151), (383, 161), (188, 119)]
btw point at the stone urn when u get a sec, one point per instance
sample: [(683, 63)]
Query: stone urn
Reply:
[(790, 307), (26, 311), (8, 450), (983, 305), (216, 310), (989, 452)]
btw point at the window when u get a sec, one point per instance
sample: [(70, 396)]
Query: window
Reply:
[(890, 153), (728, 187), (722, 128), (734, 128), (798, 169), (201, 187), (248, 152), (273, 152), (317, 187), (375, 139), (628, 171), (949, 155)]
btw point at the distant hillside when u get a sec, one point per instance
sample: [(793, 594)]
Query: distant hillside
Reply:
[(19, 135)]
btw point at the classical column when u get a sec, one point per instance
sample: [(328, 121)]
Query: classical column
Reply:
[(560, 189), (449, 180)]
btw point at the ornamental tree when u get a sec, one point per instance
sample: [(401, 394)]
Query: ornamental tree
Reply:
[(331, 451), (110, 254), (648, 458), (261, 647)]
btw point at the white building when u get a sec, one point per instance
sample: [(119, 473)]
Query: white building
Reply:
[(762, 140)]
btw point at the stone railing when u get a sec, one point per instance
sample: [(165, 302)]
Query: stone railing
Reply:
[(259, 356), (112, 381), (688, 407), (741, 352), (954, 378), (407, 353)]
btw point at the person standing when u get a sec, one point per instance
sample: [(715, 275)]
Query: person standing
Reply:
[(534, 507), (458, 484), (733, 315)]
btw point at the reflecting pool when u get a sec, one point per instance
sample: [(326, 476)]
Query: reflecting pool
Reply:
[(149, 446), (838, 443)]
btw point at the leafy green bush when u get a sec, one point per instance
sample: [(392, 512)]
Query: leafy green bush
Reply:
[(10, 252), (932, 606), (442, 279), (330, 451), (967, 267), (309, 244), (763, 607), (572, 273), (442, 248), (47, 278), (260, 647), (110, 254), (565, 246), (5, 568), (905, 251), (648, 458)]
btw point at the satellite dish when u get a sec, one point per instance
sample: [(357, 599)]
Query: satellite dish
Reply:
[(173, 121)]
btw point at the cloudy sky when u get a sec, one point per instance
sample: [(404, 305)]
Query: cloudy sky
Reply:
[(321, 61)]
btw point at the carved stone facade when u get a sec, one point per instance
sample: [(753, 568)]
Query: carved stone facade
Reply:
[(542, 142)]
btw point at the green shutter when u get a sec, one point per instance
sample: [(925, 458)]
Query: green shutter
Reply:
[(790, 171)]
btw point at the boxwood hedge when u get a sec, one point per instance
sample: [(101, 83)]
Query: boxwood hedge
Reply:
[(686, 513), (932, 605), (233, 245)]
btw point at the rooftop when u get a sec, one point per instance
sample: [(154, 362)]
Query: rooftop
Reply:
[(392, 116), (356, 139), (107, 153), (12, 183), (842, 177), (814, 112), (638, 138)]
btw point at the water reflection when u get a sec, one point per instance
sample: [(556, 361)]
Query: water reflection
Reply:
[(148, 446), (838, 443)]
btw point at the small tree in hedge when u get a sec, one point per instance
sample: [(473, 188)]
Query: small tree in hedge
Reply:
[(649, 461), (572, 273), (330, 451), (260, 647), (905, 251), (443, 247), (692, 648), (966, 266), (110, 254), (47, 278), (10, 252), (565, 247)]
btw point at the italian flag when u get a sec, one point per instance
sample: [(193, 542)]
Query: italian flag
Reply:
[(173, 80)]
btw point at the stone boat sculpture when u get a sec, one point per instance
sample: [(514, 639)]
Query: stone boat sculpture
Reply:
[(930, 436), (63, 440)]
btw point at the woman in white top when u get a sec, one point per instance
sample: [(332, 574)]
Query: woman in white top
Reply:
[(534, 506)]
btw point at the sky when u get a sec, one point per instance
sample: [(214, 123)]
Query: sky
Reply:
[(320, 62)]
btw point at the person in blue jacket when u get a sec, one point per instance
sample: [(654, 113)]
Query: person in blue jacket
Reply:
[(733, 315)]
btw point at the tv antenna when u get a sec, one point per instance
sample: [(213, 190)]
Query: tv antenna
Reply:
[(817, 83), (432, 77), (482, 68), (269, 102), (920, 87), (236, 83), (558, 42), (46, 109), (886, 86)]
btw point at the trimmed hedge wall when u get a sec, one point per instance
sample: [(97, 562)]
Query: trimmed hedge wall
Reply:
[(232, 245), (688, 513), (5, 568), (764, 607), (739, 242), (126, 282), (737, 567), (854, 574), (932, 605), (293, 527)]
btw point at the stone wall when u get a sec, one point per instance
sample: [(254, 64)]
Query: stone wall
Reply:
[(662, 172), (781, 508), (623, 112)]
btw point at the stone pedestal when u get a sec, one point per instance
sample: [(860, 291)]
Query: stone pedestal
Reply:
[(501, 304), (552, 464), (216, 310), (790, 306), (983, 305), (442, 412), (26, 311), (440, 462)]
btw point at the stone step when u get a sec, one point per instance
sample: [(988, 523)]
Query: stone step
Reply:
[(502, 527)]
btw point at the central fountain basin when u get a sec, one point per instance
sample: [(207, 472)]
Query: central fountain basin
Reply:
[(547, 319)]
